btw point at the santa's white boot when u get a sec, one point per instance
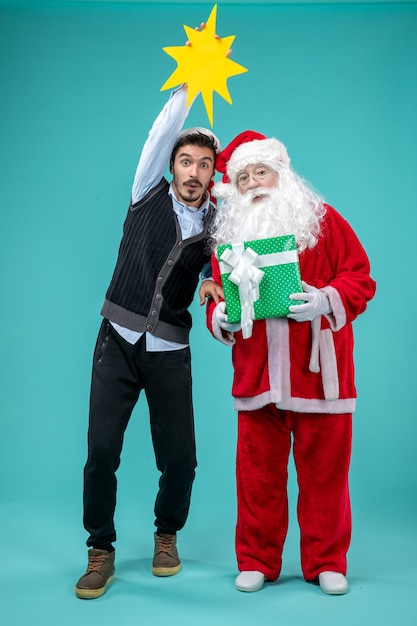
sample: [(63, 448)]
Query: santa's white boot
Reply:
[(333, 583), (250, 581)]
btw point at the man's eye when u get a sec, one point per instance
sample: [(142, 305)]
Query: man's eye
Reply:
[(185, 162)]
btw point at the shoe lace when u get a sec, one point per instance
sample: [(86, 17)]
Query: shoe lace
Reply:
[(95, 563), (165, 544)]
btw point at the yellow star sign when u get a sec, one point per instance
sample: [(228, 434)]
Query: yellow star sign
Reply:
[(203, 64)]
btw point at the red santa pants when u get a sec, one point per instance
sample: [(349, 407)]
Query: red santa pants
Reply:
[(321, 449)]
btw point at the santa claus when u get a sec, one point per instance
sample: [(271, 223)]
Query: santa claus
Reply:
[(294, 376)]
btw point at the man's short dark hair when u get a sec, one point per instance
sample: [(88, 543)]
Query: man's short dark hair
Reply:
[(194, 139)]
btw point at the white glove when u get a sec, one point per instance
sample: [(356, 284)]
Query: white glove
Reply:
[(221, 318), (316, 303)]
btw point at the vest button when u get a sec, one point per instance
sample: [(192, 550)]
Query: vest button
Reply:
[(149, 327), (180, 244), (160, 279), (170, 262), (154, 313), (158, 296)]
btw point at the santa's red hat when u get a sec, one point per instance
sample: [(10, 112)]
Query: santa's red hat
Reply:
[(248, 148)]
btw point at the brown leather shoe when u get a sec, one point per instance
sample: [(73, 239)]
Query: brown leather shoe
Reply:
[(100, 572), (165, 561)]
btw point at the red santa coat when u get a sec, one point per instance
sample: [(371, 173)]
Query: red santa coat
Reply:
[(306, 367)]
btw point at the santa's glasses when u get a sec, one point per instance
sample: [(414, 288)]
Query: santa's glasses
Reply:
[(259, 174)]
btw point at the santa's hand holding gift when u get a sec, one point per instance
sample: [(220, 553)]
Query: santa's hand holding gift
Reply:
[(293, 375)]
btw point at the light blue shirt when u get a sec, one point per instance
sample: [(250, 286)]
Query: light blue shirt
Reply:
[(151, 168)]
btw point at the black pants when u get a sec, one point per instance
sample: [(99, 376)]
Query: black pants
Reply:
[(120, 372)]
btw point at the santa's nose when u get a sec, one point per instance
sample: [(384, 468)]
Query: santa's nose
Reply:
[(252, 183)]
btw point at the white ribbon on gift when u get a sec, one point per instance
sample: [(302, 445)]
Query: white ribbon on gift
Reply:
[(244, 267)]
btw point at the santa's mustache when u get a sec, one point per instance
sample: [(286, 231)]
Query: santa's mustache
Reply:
[(249, 196)]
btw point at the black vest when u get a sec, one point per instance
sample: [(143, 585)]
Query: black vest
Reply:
[(156, 272)]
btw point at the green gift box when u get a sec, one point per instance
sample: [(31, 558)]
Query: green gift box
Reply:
[(258, 277)]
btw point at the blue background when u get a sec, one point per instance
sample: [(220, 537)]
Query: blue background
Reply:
[(80, 87)]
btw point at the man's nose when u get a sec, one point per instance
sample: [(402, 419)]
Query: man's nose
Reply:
[(194, 170)]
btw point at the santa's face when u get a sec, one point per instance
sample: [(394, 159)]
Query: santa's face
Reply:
[(192, 169), (261, 202), (256, 176)]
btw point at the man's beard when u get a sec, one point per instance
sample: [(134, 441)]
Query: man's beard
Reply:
[(292, 208), (188, 195)]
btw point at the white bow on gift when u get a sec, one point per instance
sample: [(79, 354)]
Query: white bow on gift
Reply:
[(246, 275), (243, 265)]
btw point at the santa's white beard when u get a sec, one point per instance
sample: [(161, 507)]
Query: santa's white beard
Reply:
[(292, 208)]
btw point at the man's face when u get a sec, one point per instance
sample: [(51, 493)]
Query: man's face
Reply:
[(256, 176), (192, 170)]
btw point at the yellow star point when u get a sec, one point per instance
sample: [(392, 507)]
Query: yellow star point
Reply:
[(204, 64)]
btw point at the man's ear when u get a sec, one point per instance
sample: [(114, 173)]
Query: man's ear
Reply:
[(171, 167)]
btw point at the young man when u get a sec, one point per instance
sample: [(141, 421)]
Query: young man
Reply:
[(143, 339), (293, 376)]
